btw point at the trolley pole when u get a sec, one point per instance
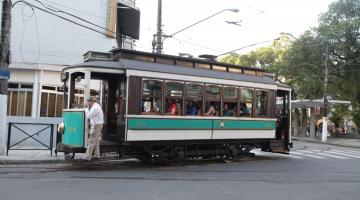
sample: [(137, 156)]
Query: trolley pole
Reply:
[(4, 69), (326, 101), (159, 28)]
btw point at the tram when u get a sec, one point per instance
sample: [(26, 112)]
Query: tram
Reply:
[(172, 108)]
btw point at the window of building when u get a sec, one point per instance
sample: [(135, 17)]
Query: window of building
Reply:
[(230, 96), (213, 100), (151, 102), (246, 102), (52, 101), (261, 107), (194, 99), (173, 98), (19, 99)]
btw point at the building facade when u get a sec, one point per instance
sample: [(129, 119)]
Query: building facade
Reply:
[(42, 44)]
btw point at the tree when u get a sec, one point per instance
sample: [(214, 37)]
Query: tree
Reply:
[(340, 28), (264, 57)]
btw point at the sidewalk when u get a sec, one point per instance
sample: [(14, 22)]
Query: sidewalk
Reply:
[(38, 157), (30, 156), (342, 142)]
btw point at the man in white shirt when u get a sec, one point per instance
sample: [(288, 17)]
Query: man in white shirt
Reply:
[(96, 116)]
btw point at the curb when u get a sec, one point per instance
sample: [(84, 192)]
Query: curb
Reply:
[(58, 161), (327, 143), (9, 162)]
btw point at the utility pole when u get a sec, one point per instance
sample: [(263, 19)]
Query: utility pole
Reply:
[(159, 28), (4, 68), (326, 101)]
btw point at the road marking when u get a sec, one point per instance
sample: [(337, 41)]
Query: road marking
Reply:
[(313, 156), (296, 157), (346, 153), (308, 155), (304, 151), (343, 154), (326, 154), (297, 153)]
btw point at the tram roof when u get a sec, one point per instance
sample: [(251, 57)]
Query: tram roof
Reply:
[(173, 69)]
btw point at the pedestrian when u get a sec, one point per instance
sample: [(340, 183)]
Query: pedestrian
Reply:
[(96, 116)]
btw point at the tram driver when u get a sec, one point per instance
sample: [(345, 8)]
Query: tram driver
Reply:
[(96, 116)]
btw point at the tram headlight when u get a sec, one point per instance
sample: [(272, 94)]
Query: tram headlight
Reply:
[(61, 128)]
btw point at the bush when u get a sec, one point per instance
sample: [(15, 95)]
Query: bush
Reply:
[(356, 117), (338, 115)]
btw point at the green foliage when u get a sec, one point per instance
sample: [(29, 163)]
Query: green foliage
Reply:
[(356, 117), (338, 114), (300, 62)]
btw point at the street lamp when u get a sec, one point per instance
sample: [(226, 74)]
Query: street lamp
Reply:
[(159, 45)]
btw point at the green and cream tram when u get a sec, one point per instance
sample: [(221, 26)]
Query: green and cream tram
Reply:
[(161, 107)]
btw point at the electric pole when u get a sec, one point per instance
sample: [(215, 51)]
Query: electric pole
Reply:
[(326, 101), (159, 28), (4, 68)]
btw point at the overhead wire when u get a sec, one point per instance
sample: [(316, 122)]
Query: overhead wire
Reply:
[(59, 16), (73, 9), (26, 18), (67, 13)]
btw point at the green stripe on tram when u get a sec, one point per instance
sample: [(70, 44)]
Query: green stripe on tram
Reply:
[(140, 123), (238, 124), (197, 124)]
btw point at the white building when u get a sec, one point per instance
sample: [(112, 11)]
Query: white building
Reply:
[(43, 44)]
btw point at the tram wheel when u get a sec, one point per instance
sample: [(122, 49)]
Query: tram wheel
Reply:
[(69, 156), (228, 159)]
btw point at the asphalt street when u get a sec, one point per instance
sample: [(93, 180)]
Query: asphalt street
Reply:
[(311, 171)]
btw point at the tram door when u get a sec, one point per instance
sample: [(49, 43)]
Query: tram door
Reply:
[(283, 120), (112, 100)]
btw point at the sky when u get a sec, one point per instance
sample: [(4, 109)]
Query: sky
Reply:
[(261, 20)]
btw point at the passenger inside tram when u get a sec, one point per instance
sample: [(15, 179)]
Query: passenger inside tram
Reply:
[(228, 110), (151, 107), (212, 109), (172, 107), (244, 111), (191, 108)]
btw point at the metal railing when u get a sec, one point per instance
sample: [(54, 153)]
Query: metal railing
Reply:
[(30, 136)]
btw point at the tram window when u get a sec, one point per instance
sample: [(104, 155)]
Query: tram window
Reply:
[(213, 100), (194, 99), (235, 70), (152, 87), (246, 102), (173, 98), (77, 90), (202, 65), (151, 102), (166, 61), (144, 58), (219, 68), (230, 101), (249, 72), (184, 63), (259, 73), (261, 107)]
